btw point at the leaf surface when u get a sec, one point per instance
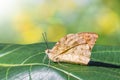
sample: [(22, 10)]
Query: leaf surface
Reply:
[(29, 62)]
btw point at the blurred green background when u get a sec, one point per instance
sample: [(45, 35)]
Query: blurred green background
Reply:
[(24, 21)]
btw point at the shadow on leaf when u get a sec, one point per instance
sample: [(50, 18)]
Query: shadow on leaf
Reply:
[(101, 64)]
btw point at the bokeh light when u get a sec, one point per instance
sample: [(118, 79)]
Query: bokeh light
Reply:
[(24, 21)]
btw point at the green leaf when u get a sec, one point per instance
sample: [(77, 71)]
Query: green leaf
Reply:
[(29, 62), (106, 54)]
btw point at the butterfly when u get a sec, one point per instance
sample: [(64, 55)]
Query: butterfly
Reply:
[(73, 48)]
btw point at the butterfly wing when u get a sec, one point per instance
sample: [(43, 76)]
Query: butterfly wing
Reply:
[(79, 54), (74, 45)]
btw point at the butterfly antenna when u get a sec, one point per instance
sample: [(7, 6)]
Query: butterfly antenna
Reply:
[(45, 39), (46, 42)]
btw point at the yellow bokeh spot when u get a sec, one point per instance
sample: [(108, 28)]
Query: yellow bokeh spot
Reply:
[(28, 31), (31, 36), (55, 32), (108, 22)]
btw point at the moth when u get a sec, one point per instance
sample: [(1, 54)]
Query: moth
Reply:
[(73, 48)]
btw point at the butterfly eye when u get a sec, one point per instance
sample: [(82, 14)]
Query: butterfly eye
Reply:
[(48, 51), (57, 59)]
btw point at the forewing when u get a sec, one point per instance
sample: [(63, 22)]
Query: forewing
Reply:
[(73, 48), (79, 54), (72, 40)]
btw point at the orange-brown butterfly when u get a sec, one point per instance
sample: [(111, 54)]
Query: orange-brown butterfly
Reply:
[(73, 48)]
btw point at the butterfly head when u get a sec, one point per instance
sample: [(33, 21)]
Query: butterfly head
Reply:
[(51, 55), (48, 51)]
